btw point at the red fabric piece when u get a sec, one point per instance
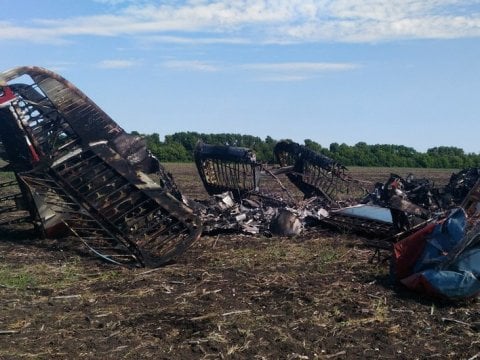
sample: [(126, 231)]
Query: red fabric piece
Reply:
[(7, 96), (407, 251), (419, 283)]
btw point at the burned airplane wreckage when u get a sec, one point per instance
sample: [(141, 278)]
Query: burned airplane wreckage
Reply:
[(384, 213), (331, 197), (78, 174), (433, 234)]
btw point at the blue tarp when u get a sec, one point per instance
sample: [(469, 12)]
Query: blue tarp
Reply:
[(447, 262)]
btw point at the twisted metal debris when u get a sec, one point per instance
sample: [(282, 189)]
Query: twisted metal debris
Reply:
[(317, 175), (80, 174), (227, 168), (385, 212)]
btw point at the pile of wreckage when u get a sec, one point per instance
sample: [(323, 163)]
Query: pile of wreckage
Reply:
[(433, 232), (81, 174), (78, 174)]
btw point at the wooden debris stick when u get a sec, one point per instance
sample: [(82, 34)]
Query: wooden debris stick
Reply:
[(150, 271), (455, 321), (335, 355), (236, 312), (204, 317), (9, 332), (474, 357), (66, 297)]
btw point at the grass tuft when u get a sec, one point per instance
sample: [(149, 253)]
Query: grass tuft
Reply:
[(19, 279)]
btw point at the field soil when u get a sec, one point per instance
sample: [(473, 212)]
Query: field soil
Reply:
[(315, 296)]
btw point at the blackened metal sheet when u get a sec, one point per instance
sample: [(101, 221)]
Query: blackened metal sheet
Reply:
[(88, 120), (81, 174), (227, 168), (317, 175)]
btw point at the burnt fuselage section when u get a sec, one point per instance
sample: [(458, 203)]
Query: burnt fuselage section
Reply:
[(227, 168), (81, 174)]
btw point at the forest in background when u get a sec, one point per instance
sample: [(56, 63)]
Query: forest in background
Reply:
[(179, 147)]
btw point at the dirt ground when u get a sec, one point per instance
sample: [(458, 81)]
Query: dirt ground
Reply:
[(315, 296)]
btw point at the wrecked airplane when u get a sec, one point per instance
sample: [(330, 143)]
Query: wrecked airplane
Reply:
[(82, 175), (79, 174)]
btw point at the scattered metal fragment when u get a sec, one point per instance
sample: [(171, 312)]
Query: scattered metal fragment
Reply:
[(325, 183), (80, 174), (385, 213), (285, 223)]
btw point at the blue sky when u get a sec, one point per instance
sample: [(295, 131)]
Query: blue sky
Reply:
[(403, 72)]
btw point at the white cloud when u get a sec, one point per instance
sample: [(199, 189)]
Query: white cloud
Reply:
[(112, 2), (302, 66), (295, 71), (191, 65), (282, 78), (195, 40), (290, 71), (59, 66), (116, 64), (265, 21), (9, 31)]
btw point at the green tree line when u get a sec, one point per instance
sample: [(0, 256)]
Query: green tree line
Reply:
[(179, 147)]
